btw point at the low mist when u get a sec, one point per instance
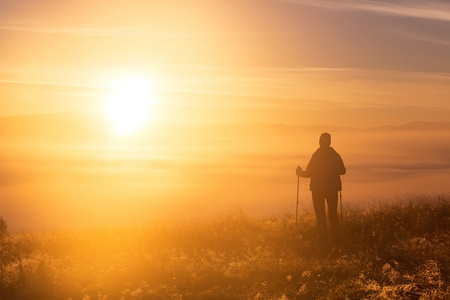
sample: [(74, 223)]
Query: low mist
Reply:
[(86, 178)]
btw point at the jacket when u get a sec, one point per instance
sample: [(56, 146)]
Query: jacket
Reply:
[(325, 169)]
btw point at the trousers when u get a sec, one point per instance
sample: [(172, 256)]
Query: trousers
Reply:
[(319, 199)]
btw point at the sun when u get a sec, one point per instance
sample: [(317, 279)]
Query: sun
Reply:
[(129, 104)]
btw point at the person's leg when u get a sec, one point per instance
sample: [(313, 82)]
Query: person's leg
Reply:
[(332, 203), (319, 208)]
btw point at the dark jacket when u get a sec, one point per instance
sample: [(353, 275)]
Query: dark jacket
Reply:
[(324, 168)]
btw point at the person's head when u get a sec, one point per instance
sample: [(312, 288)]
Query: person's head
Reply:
[(325, 140)]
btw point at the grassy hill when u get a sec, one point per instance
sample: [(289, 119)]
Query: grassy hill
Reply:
[(393, 250)]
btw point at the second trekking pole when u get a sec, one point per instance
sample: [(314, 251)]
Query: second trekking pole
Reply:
[(296, 210)]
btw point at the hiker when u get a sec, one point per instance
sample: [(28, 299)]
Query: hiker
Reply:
[(324, 169)]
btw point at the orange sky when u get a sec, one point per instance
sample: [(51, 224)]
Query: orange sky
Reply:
[(215, 67), (301, 58)]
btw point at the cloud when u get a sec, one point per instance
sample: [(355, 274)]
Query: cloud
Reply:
[(318, 87), (434, 10), (124, 31), (288, 93), (428, 38), (45, 83)]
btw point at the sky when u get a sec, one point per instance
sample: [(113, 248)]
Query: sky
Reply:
[(240, 91), (310, 61)]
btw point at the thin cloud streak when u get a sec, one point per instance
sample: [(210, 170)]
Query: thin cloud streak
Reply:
[(302, 83), (122, 32), (434, 10), (423, 38), (128, 32), (312, 86), (43, 83)]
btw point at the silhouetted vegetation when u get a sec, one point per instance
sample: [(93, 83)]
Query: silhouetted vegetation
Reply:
[(390, 251)]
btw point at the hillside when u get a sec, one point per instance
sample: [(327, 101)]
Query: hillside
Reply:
[(393, 250)]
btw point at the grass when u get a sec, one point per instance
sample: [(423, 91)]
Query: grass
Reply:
[(394, 250)]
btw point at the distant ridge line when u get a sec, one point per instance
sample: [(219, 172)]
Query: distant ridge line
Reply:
[(26, 124), (412, 126)]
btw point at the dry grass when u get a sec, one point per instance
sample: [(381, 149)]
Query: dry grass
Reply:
[(394, 250)]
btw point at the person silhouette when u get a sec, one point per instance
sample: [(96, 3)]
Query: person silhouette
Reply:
[(325, 169)]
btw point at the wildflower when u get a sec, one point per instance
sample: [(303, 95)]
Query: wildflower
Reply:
[(302, 291)]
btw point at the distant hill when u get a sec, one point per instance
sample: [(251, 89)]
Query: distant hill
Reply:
[(77, 127), (415, 126)]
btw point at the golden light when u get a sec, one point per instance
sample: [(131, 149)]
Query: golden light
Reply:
[(129, 105)]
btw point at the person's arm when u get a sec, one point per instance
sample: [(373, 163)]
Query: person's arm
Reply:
[(299, 171), (306, 173)]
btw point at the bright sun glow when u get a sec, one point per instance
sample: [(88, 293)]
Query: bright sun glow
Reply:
[(129, 104)]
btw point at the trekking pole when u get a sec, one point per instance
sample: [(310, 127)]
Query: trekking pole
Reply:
[(296, 210), (340, 196)]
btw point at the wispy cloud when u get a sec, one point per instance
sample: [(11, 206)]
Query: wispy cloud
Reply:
[(345, 87), (441, 41), (123, 31), (126, 32), (295, 83), (436, 10)]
